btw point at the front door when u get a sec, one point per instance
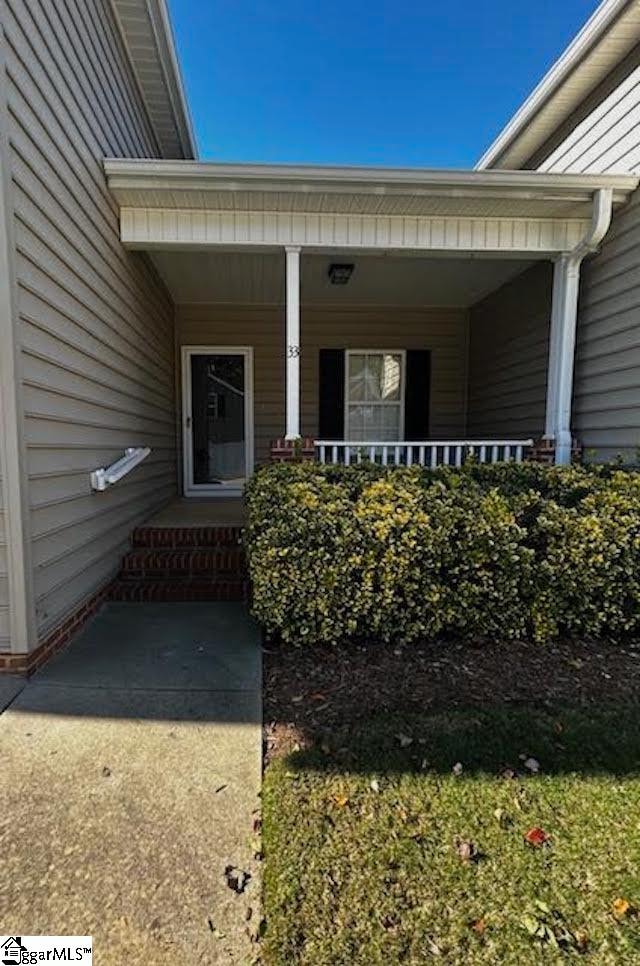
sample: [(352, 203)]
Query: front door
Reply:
[(217, 419)]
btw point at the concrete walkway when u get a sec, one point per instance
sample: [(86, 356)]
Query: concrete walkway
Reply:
[(130, 780)]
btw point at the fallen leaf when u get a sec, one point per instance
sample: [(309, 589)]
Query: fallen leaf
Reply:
[(237, 879), (532, 765), (341, 800), (536, 837), (558, 727), (479, 926), (622, 908), (297, 699), (581, 937), (374, 785), (467, 851), (503, 817), (318, 696), (404, 740), (457, 769), (214, 929)]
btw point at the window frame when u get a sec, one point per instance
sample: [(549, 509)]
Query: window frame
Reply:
[(381, 402)]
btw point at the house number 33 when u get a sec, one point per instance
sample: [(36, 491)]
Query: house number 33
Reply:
[(293, 351)]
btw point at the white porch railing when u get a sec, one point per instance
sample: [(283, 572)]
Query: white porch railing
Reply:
[(429, 453), (133, 456)]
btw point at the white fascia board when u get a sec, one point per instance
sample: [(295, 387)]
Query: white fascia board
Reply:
[(175, 175), (580, 47)]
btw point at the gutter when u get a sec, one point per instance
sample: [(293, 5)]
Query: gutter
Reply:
[(213, 176)]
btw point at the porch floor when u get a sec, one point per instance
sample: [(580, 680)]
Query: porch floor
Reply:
[(217, 512)]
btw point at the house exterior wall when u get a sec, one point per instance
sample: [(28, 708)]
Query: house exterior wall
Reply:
[(606, 403), (508, 356), (442, 330), (5, 637), (95, 325), (604, 135)]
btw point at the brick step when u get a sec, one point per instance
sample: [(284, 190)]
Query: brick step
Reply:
[(182, 538), (206, 562), (186, 589)]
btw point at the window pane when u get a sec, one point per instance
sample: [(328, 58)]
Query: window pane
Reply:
[(373, 423), (390, 376), (217, 418), (357, 375), (390, 422), (358, 420), (374, 376)]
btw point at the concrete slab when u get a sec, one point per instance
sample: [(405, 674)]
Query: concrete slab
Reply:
[(10, 686), (121, 806), (202, 646)]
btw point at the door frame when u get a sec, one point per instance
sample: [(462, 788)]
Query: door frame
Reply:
[(214, 489)]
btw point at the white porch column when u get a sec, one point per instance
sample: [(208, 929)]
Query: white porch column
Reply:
[(293, 343), (562, 344)]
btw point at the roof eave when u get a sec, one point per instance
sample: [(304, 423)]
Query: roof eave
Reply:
[(160, 29), (203, 175), (503, 151)]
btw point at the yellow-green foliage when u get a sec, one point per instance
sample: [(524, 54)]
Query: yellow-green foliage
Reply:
[(501, 551)]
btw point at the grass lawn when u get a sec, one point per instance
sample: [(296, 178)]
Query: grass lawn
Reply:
[(378, 852)]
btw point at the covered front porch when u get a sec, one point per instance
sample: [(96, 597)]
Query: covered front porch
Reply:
[(348, 315)]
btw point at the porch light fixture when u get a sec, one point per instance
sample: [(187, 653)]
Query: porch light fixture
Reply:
[(339, 274)]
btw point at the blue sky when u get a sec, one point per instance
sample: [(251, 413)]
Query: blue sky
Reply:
[(353, 82)]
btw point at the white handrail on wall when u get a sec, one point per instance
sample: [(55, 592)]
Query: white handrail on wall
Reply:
[(432, 453), (133, 455)]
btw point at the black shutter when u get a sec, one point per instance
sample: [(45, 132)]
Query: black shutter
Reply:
[(331, 403), (417, 394)]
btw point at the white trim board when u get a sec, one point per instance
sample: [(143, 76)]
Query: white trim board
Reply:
[(22, 622)]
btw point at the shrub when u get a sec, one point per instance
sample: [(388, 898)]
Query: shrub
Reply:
[(503, 551)]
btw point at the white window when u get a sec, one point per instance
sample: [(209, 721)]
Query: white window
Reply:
[(374, 395)]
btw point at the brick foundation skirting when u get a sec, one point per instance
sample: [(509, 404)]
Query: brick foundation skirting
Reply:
[(57, 639), (544, 451), (293, 450)]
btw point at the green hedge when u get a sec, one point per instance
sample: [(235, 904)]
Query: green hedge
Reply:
[(505, 551)]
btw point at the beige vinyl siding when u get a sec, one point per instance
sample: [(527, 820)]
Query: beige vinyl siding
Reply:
[(442, 330), (508, 354), (5, 636), (96, 324), (606, 408), (604, 135)]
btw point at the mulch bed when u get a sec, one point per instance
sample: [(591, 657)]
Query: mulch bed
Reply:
[(315, 694)]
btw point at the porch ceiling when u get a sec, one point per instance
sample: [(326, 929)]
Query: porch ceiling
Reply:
[(185, 204), (241, 277)]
